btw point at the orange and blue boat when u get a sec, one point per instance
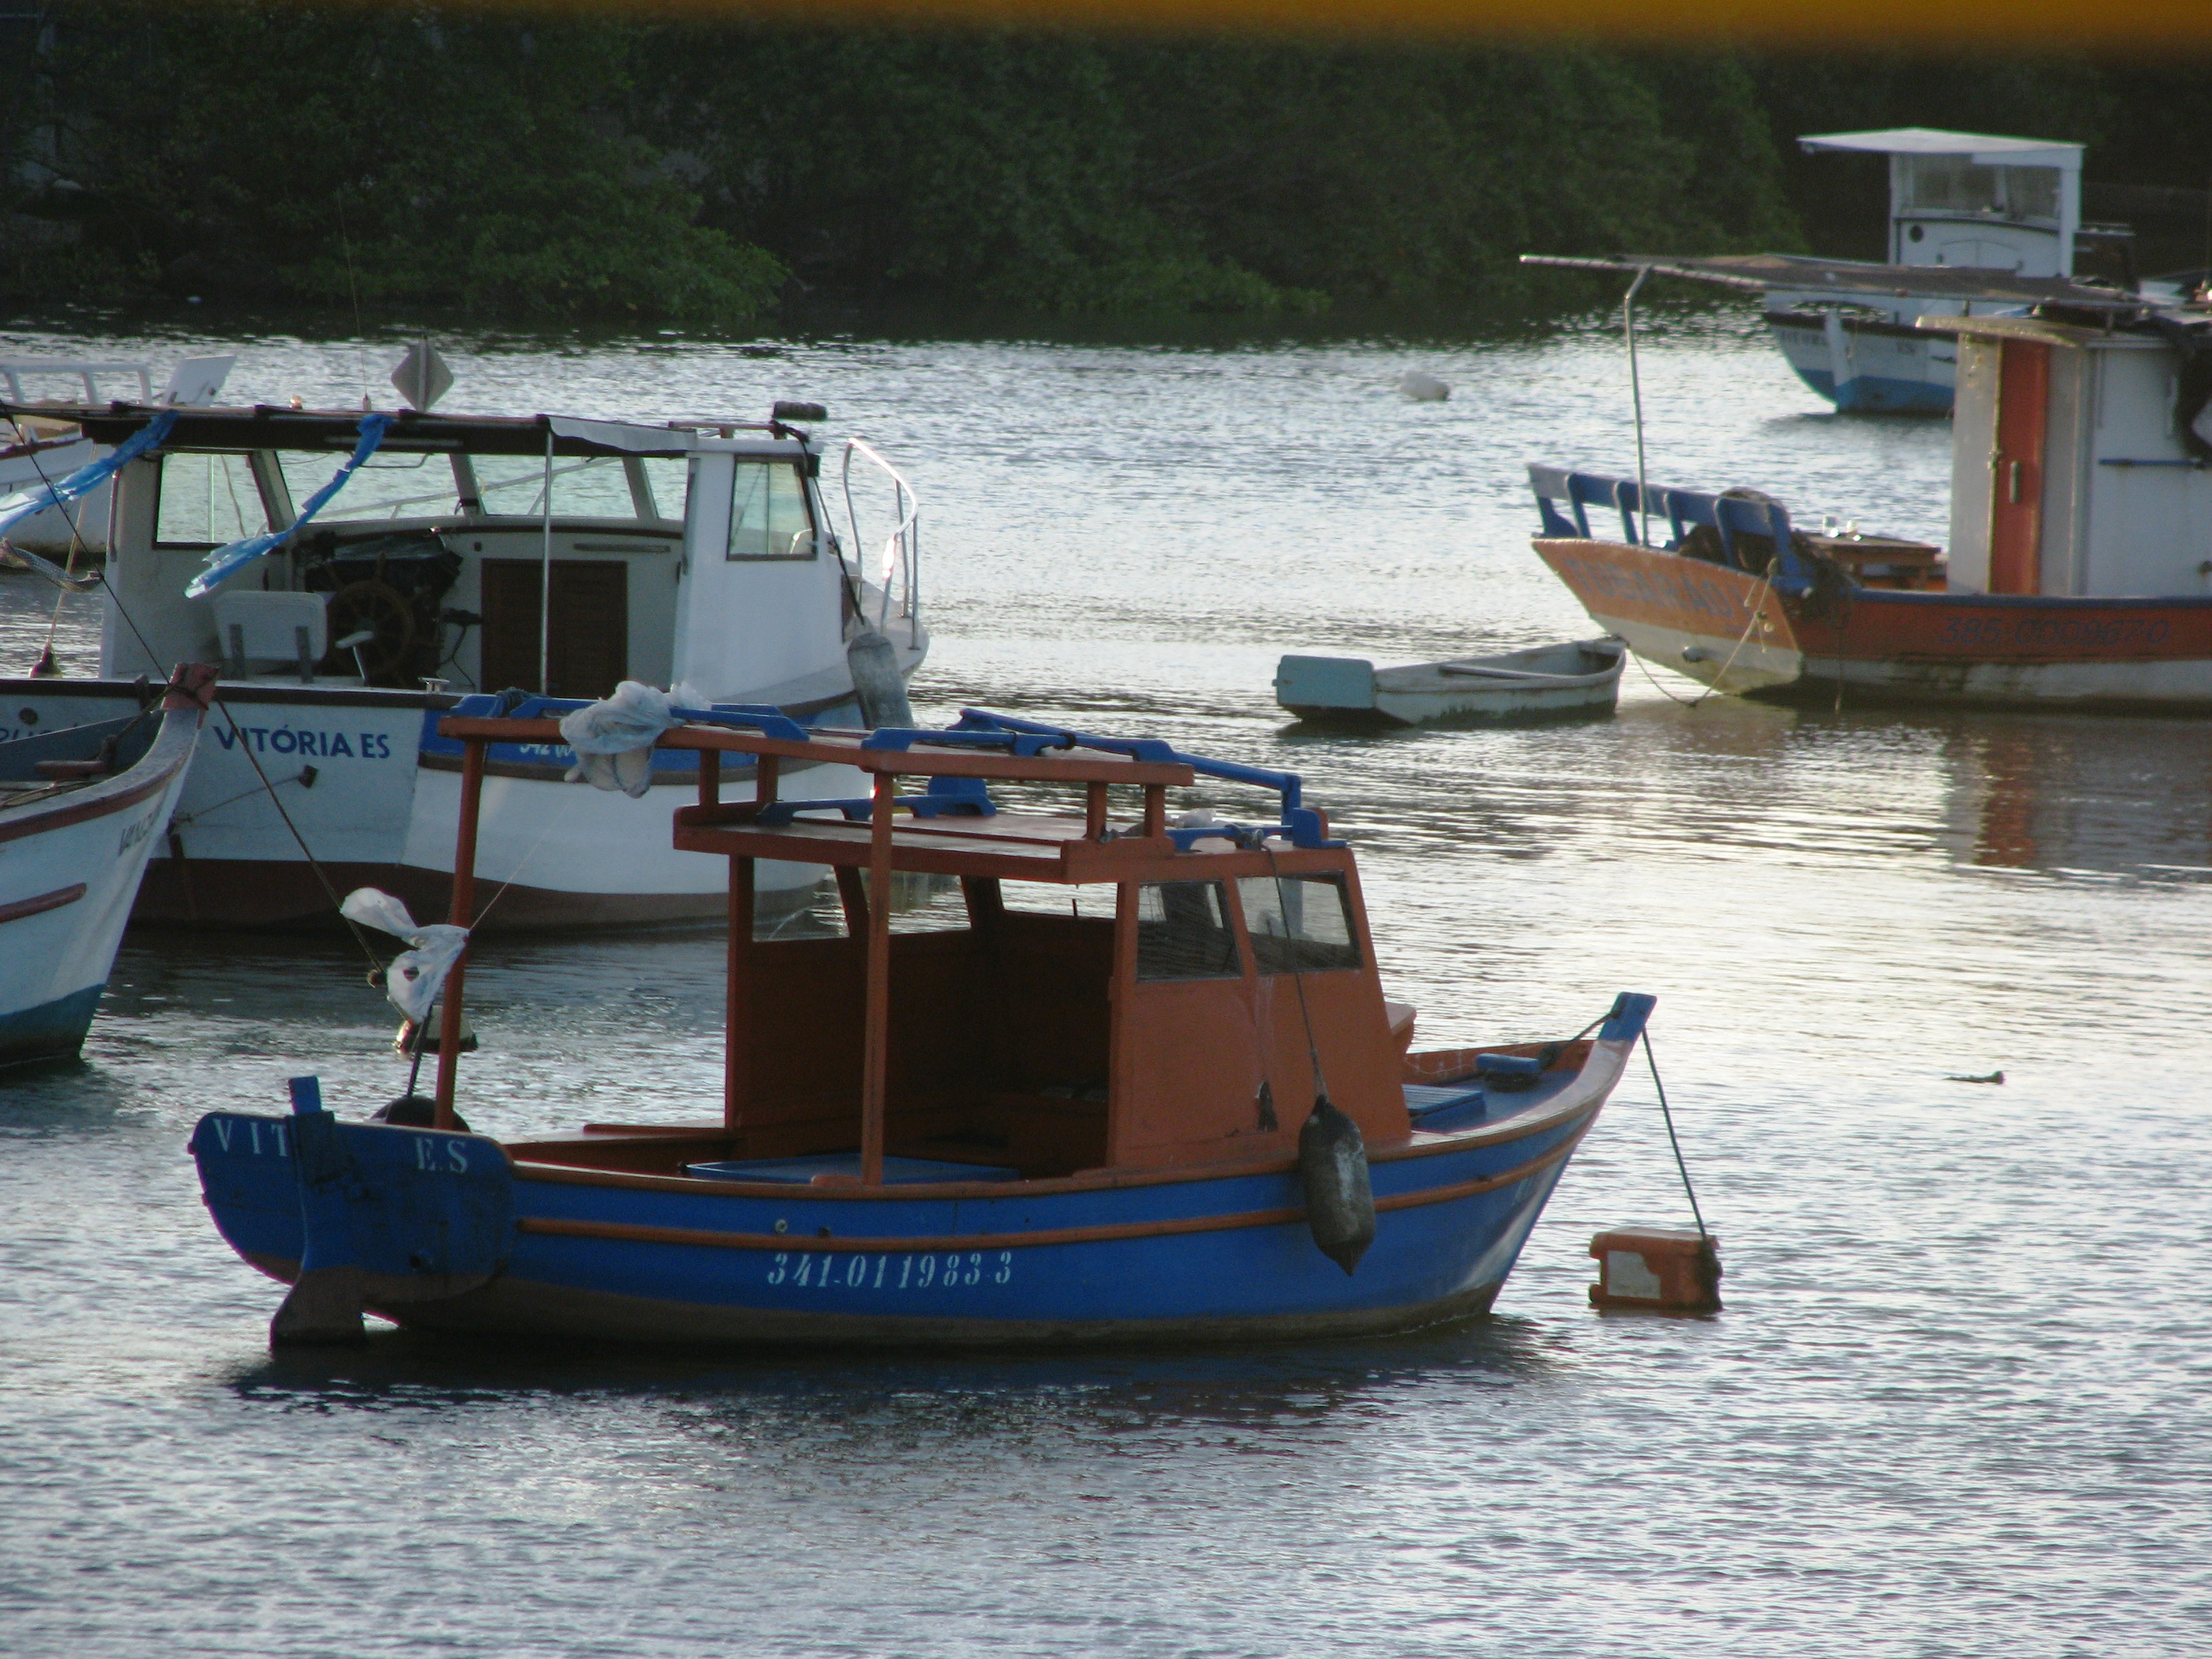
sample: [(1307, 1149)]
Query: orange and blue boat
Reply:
[(1179, 1107)]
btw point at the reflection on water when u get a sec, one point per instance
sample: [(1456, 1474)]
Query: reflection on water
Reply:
[(2072, 796), (1953, 1406)]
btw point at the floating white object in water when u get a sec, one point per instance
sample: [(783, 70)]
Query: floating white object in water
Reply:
[(1423, 388)]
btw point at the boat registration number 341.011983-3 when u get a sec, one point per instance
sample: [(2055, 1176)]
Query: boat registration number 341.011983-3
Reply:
[(916, 1272)]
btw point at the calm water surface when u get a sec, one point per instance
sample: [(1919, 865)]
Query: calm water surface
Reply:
[(1956, 1405)]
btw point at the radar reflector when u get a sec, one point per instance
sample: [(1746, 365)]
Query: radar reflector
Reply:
[(422, 377)]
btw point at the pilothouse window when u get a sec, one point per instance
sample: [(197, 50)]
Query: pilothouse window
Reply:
[(768, 512), (1298, 924), (390, 484), (1953, 184), (584, 487), (1183, 932), (207, 501)]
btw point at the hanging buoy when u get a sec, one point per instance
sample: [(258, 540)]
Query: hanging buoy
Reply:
[(874, 664), (1657, 1270), (1333, 1169)]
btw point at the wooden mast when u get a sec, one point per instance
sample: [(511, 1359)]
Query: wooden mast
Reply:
[(737, 983), (876, 1028), (465, 898), (737, 1008)]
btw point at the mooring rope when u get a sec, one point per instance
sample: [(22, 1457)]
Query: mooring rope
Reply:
[(1297, 975), (1652, 1060), (375, 964)]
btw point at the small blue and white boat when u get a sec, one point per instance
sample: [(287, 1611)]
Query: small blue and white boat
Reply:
[(1186, 1113), (1577, 679), (81, 807)]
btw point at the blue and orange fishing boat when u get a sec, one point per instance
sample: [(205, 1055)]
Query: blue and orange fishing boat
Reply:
[(1182, 1111)]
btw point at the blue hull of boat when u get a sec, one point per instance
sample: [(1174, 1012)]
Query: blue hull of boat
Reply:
[(1875, 394), (53, 1030), (674, 1259)]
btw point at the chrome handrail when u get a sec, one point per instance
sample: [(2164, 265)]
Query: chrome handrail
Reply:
[(901, 561)]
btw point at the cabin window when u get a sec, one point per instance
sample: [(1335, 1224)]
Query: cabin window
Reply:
[(646, 489), (1298, 924), (768, 512), (1953, 184), (584, 487), (1053, 898), (1183, 932), (389, 484), (207, 501), (658, 485)]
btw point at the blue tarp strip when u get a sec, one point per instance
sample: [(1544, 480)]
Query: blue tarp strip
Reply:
[(226, 562), (29, 503)]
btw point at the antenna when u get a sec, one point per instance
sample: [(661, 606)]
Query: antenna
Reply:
[(1635, 401), (353, 287)]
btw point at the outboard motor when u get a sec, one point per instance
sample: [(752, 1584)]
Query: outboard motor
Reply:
[(1332, 1170)]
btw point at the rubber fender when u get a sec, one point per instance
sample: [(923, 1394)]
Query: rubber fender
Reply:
[(1332, 1170), (874, 665)]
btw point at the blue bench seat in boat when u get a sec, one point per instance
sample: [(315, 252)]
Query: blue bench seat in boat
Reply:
[(1438, 1108), (798, 1171)]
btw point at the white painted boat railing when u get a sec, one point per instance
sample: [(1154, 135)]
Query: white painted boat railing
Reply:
[(899, 567)]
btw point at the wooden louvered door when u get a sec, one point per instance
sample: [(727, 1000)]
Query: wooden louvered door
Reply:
[(588, 645)]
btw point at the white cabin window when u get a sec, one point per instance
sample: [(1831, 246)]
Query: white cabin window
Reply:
[(389, 484), (643, 489), (768, 512), (664, 479), (1951, 184), (1298, 924), (207, 501)]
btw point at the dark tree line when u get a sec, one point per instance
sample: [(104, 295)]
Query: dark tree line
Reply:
[(561, 165)]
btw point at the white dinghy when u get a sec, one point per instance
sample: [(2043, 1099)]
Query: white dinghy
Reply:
[(1581, 677)]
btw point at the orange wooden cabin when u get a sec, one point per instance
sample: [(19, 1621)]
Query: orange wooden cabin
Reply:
[(1165, 1027)]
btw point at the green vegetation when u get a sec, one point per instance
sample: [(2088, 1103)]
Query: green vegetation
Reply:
[(554, 166)]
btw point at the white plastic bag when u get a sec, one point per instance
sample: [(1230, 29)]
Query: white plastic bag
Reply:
[(613, 738), (415, 976)]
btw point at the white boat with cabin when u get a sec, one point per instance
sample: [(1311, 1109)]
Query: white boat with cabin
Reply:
[(463, 557), (1958, 201), (1979, 226)]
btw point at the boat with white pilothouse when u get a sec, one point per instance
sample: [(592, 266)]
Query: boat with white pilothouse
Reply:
[(1979, 225), (492, 563)]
